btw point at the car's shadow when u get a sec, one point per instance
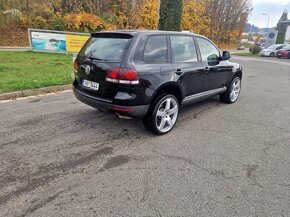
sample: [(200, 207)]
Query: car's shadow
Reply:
[(199, 107), (103, 122)]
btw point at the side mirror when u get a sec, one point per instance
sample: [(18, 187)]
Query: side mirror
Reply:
[(226, 55), (213, 60)]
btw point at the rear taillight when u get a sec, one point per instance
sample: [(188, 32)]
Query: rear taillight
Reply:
[(122, 76), (76, 66)]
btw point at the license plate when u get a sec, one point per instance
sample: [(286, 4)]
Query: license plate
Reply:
[(91, 85)]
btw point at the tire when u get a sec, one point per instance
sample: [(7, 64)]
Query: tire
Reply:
[(233, 92), (272, 54), (289, 56), (162, 114)]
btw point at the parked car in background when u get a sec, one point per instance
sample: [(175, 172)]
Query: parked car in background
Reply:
[(241, 48), (271, 51), (284, 52), (150, 74)]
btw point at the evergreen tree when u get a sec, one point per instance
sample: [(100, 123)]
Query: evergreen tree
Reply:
[(282, 28), (170, 14)]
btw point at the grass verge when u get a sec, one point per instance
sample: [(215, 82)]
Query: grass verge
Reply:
[(31, 70), (227, 46), (247, 54)]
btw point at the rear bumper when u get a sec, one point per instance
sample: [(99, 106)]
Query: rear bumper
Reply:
[(105, 105)]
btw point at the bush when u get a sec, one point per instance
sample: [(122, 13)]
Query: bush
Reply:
[(83, 22), (255, 49), (39, 23), (23, 21), (57, 23)]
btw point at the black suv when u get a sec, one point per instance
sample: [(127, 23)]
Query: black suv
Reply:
[(150, 74)]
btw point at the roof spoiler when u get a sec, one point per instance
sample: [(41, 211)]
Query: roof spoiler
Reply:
[(111, 35)]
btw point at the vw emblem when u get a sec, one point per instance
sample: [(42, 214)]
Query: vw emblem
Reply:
[(87, 69)]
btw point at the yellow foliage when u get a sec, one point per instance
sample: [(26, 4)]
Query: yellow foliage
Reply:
[(72, 22), (235, 34), (121, 10), (122, 20), (194, 17), (146, 17), (110, 27), (23, 21), (218, 20), (83, 22)]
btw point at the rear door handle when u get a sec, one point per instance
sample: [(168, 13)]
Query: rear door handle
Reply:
[(206, 69), (179, 72)]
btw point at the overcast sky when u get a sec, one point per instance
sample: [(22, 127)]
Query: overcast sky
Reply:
[(274, 8)]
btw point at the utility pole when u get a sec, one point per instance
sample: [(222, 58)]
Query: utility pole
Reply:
[(267, 21)]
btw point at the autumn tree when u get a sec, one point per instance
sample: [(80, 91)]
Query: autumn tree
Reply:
[(282, 28), (221, 20), (121, 9), (146, 16), (119, 12), (72, 6), (194, 17), (227, 18), (170, 15), (84, 22)]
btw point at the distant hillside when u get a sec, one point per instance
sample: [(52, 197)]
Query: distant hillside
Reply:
[(249, 28)]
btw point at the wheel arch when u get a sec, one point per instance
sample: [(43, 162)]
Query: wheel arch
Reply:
[(237, 73), (170, 88)]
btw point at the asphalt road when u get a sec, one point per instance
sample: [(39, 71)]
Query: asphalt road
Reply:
[(59, 157)]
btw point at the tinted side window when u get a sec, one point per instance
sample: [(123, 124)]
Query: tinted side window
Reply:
[(183, 49), (156, 49), (207, 49)]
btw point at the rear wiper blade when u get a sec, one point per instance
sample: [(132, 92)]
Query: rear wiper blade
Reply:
[(95, 58)]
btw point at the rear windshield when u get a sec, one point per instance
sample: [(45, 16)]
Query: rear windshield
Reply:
[(105, 49)]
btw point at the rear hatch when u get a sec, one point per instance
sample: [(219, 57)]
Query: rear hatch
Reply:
[(103, 51)]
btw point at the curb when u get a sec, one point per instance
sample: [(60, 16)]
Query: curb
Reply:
[(35, 92), (15, 48)]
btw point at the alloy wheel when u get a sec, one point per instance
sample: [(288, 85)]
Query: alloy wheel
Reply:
[(235, 90), (166, 115)]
